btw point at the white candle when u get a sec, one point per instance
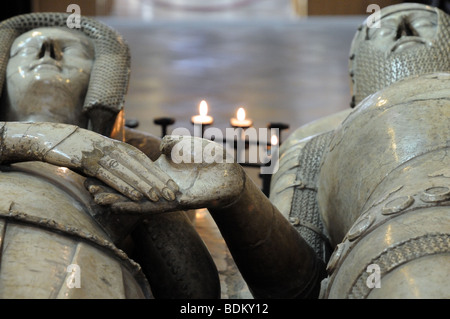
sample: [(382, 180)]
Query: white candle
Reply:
[(274, 140), (271, 150), (203, 118), (240, 120)]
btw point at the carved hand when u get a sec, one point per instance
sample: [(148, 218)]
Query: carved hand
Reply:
[(206, 177), (117, 164)]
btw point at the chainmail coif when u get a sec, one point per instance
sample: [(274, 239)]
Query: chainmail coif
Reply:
[(110, 73), (372, 69)]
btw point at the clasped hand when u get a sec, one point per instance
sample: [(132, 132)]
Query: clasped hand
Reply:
[(203, 181)]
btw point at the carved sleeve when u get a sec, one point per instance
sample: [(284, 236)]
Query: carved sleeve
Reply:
[(31, 141)]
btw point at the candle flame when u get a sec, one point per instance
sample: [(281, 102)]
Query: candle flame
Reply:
[(274, 140), (241, 114), (203, 108)]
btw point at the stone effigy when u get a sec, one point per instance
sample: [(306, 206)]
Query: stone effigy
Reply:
[(360, 200), (62, 99), (412, 41), (361, 197), (354, 208)]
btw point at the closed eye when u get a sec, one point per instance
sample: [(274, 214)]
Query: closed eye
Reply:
[(25, 50), (382, 32), (76, 51), (423, 23)]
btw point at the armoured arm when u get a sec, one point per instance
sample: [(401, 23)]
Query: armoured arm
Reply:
[(117, 164), (272, 257)]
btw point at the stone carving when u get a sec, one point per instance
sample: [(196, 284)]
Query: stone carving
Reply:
[(55, 241), (388, 86), (380, 205), (366, 181), (413, 39), (396, 76), (357, 189), (374, 188)]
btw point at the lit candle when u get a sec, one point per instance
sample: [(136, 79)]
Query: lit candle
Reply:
[(240, 123), (273, 155), (203, 118), (240, 120), (273, 145), (274, 140)]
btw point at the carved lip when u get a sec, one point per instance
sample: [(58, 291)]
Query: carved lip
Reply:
[(401, 42), (45, 65)]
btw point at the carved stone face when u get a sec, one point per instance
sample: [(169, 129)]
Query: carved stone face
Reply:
[(48, 75), (404, 29), (413, 39)]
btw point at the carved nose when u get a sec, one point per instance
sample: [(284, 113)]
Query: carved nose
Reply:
[(405, 30), (49, 49)]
